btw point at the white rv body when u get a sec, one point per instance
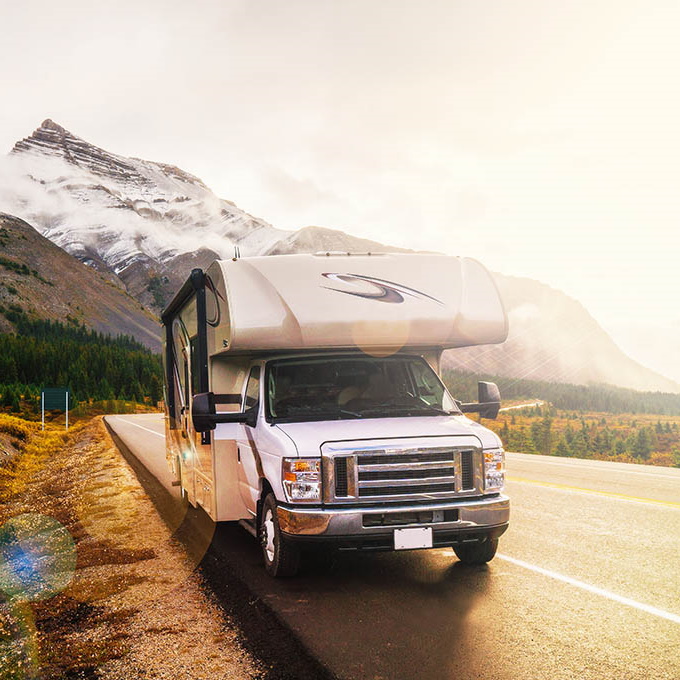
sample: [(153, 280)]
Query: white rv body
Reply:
[(261, 335)]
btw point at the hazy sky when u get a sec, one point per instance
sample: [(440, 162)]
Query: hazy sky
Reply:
[(541, 136)]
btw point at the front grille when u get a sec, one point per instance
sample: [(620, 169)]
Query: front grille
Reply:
[(406, 473), (341, 476), (401, 490), (401, 473), (422, 456), (467, 478)]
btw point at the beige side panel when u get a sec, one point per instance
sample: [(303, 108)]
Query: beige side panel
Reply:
[(205, 496), (229, 506), (227, 376)]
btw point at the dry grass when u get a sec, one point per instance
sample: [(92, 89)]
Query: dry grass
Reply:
[(133, 608)]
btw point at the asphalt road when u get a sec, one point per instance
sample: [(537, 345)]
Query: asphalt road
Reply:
[(586, 583)]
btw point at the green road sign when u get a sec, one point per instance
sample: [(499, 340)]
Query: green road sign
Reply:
[(54, 398)]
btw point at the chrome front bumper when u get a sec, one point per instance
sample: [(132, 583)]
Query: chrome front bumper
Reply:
[(477, 514)]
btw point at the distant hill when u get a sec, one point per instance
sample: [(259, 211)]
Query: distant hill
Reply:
[(39, 279), (595, 398), (554, 338), (320, 239), (145, 225)]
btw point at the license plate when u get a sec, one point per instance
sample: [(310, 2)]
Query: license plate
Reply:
[(409, 539)]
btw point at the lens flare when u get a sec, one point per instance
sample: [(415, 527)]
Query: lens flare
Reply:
[(37, 557)]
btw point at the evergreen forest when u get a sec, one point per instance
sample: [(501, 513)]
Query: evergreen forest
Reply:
[(601, 422), (93, 366), (584, 398)]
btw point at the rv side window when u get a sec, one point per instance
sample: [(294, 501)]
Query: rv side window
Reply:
[(180, 364), (193, 349), (253, 389), (185, 362)]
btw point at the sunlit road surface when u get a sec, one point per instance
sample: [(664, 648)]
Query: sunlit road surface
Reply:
[(586, 583)]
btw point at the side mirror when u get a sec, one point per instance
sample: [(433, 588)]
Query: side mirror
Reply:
[(488, 392), (489, 397), (205, 419), (203, 412)]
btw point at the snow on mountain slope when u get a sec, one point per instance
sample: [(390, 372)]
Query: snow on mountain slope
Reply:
[(115, 212)]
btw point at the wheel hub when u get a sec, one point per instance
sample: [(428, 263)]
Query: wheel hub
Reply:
[(268, 535)]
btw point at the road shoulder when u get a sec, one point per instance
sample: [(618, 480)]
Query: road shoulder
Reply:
[(135, 606)]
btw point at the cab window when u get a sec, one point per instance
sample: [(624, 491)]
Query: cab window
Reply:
[(253, 389)]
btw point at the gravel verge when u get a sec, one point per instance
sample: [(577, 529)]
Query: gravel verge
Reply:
[(113, 594)]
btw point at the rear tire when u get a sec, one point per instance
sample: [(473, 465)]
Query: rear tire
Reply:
[(281, 557), (476, 553)]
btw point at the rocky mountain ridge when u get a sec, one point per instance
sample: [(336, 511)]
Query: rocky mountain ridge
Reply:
[(138, 221)]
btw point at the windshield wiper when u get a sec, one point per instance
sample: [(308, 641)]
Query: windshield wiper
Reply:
[(434, 409), (391, 409), (311, 413), (351, 413)]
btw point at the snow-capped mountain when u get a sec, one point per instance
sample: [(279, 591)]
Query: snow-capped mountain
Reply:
[(132, 219)]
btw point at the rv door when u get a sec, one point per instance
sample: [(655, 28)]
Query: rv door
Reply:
[(182, 417), (249, 465), (186, 395)]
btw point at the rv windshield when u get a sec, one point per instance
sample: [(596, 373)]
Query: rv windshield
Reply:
[(337, 387)]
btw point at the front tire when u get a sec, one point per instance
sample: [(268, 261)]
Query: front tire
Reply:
[(476, 553), (281, 557)]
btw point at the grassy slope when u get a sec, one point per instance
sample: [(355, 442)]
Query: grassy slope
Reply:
[(45, 282)]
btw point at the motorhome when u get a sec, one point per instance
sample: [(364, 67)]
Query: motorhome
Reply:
[(304, 400)]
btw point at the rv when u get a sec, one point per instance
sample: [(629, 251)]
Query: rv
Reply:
[(304, 400)]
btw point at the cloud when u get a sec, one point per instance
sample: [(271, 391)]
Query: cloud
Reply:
[(302, 197)]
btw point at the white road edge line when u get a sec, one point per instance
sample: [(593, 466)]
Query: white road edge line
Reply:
[(593, 589), (594, 492), (158, 434), (576, 466)]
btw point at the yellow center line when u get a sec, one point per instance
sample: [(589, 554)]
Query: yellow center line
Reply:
[(608, 494)]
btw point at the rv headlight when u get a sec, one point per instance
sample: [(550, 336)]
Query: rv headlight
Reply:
[(302, 479), (494, 469)]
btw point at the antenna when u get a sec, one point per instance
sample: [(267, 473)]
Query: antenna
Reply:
[(237, 253)]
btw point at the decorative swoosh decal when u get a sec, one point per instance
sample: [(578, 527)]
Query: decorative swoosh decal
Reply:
[(385, 291), (215, 313)]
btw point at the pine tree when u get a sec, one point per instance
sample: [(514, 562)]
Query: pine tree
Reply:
[(642, 446), (675, 453), (579, 445), (11, 399), (156, 390), (562, 448)]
